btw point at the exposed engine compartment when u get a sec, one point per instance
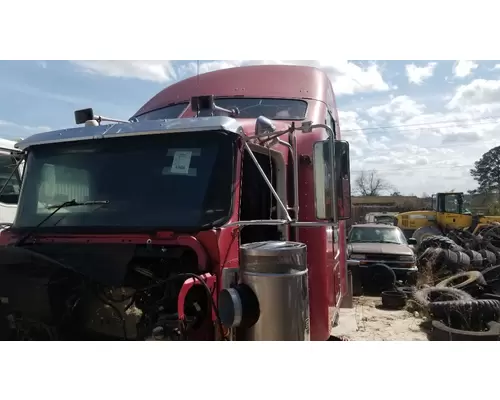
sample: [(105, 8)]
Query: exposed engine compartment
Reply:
[(101, 292)]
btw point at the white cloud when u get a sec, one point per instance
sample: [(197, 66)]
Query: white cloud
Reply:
[(457, 137), (463, 68), (348, 77), (398, 110), (156, 71), (351, 126), (418, 75), (31, 129), (479, 92), (191, 68), (13, 131), (418, 149)]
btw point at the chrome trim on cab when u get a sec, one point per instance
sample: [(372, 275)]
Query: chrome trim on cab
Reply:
[(133, 129)]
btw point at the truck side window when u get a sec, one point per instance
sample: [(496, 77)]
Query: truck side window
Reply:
[(10, 194), (329, 120)]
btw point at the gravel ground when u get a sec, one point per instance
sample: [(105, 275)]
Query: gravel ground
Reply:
[(367, 322)]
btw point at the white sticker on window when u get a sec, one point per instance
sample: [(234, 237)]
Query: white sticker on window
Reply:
[(181, 162)]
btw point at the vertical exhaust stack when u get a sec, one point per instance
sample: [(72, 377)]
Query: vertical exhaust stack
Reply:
[(271, 300)]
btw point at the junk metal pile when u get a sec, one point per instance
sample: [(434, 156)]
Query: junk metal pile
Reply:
[(457, 288)]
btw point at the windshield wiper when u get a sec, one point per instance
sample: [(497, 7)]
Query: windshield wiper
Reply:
[(56, 208), (73, 203)]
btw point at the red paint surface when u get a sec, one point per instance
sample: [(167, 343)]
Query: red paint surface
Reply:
[(209, 279)]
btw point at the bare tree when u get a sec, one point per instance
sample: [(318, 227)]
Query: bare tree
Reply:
[(369, 183)]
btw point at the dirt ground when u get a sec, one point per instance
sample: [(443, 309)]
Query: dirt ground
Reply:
[(367, 322)]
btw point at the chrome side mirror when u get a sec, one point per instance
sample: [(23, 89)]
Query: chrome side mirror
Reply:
[(264, 126)]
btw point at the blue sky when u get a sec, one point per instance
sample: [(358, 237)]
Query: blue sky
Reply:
[(413, 121)]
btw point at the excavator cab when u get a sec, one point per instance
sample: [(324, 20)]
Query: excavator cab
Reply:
[(450, 211), (448, 203)]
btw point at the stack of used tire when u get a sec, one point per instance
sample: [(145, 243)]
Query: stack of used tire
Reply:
[(445, 257), (464, 306), (464, 303), (488, 239)]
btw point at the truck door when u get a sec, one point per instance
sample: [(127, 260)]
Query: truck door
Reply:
[(333, 240)]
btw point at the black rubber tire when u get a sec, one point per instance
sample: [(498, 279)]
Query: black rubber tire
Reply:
[(393, 300), (383, 277), (412, 278), (426, 296), (337, 339), (473, 282), (463, 259), (429, 255), (492, 276), (357, 282), (430, 258), (489, 258), (473, 311), (409, 291), (423, 231), (476, 259), (442, 332), (427, 243), (449, 260), (455, 247), (490, 296), (440, 241)]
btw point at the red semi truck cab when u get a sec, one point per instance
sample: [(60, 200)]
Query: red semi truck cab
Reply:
[(217, 212)]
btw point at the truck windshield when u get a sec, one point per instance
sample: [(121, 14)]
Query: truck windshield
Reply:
[(169, 112), (173, 181), (276, 109)]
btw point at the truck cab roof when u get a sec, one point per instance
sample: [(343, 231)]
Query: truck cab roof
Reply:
[(258, 81)]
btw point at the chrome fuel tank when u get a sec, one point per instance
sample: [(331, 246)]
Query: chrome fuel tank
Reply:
[(277, 274)]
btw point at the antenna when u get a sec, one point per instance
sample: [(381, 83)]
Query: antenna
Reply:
[(198, 84), (198, 73)]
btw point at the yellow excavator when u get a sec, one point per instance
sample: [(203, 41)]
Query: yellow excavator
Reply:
[(448, 212)]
